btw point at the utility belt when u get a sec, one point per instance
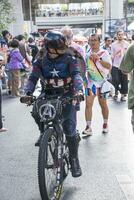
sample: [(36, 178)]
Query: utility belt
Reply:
[(58, 85)]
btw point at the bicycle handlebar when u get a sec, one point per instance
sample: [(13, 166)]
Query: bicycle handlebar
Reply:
[(29, 100)]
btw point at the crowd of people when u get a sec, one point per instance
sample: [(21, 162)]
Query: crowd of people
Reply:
[(130, 9), (86, 67), (16, 58), (73, 12)]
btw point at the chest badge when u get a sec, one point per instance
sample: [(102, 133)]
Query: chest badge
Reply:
[(55, 73)]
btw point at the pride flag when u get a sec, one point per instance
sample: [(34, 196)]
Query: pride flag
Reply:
[(92, 70)]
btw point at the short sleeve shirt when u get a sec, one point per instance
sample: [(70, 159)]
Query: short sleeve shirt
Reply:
[(127, 65)]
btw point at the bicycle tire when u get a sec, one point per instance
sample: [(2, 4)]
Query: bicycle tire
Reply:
[(53, 191)]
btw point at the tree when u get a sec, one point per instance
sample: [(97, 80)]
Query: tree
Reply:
[(5, 14)]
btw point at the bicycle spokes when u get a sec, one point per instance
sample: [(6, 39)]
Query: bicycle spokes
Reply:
[(50, 167)]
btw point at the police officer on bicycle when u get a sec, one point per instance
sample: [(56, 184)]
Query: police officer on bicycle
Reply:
[(60, 71)]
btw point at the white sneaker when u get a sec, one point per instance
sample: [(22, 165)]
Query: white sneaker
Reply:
[(87, 132), (115, 97), (123, 98), (105, 128)]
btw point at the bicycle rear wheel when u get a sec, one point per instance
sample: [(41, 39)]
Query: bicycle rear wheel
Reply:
[(50, 166)]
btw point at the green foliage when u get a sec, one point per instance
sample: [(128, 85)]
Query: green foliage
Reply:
[(5, 14)]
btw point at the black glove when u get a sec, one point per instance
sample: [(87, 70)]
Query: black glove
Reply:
[(79, 96), (27, 99)]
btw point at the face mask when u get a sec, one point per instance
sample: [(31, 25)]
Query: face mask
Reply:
[(53, 55)]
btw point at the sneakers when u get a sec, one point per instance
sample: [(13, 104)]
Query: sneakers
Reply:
[(3, 129), (115, 97), (87, 132), (105, 128), (123, 98)]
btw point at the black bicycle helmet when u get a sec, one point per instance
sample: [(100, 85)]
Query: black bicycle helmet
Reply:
[(55, 40)]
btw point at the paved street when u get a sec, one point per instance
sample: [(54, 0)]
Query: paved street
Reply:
[(107, 160)]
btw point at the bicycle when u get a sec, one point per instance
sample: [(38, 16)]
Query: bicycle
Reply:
[(53, 158)]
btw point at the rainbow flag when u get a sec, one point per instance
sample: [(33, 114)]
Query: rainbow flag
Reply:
[(93, 72)]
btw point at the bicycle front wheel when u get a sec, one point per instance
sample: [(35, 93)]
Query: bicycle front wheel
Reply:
[(50, 166)]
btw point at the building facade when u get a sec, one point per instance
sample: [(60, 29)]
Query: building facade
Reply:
[(26, 19), (17, 13)]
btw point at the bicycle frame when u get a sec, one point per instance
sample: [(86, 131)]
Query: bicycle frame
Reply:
[(51, 116), (53, 142)]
